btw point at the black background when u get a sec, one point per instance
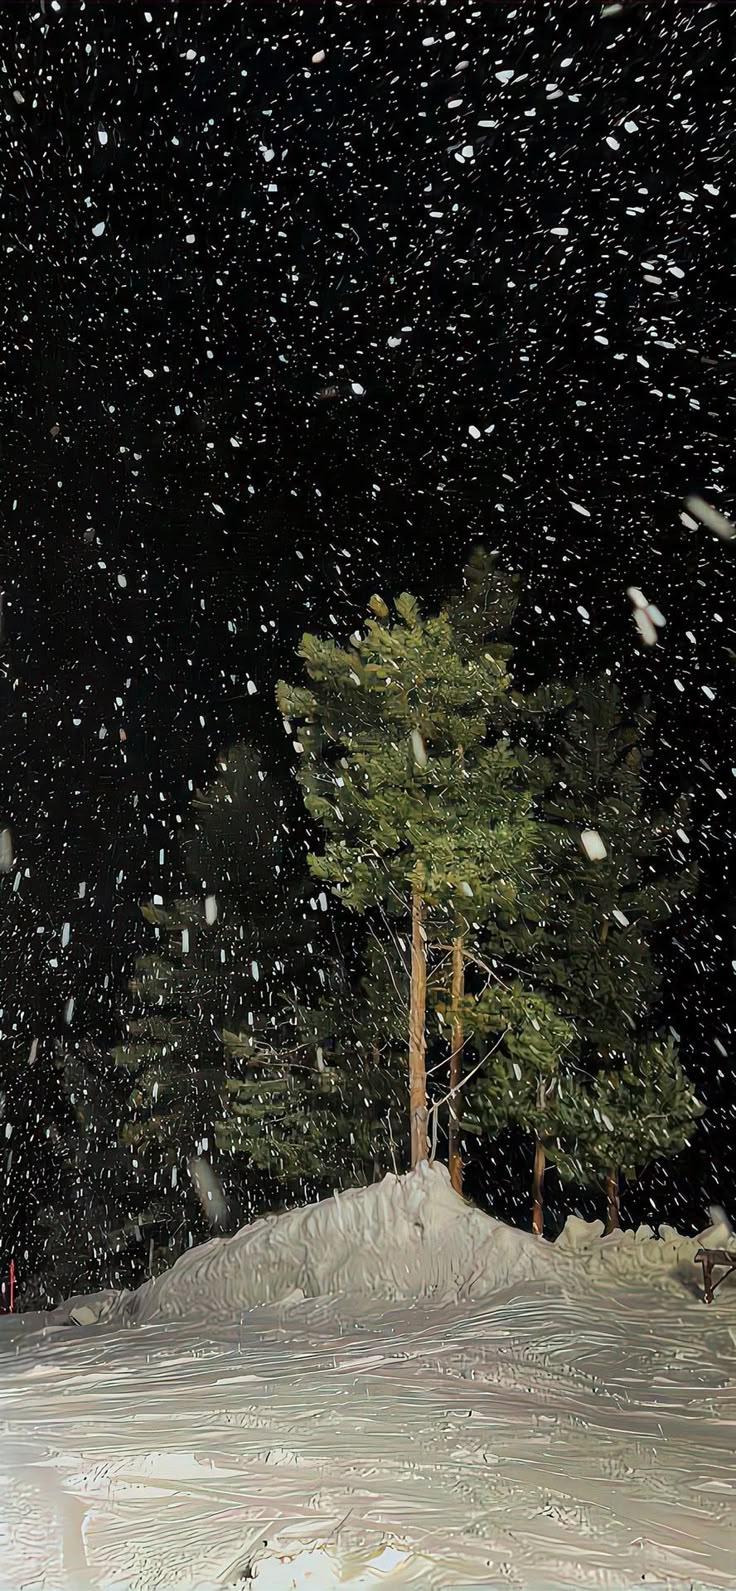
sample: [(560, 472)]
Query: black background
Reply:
[(161, 426)]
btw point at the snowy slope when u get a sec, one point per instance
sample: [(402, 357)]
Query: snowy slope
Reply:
[(565, 1419)]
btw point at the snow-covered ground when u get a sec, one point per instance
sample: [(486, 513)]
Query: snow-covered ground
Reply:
[(462, 1405)]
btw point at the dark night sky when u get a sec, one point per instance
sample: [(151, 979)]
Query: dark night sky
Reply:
[(509, 226)]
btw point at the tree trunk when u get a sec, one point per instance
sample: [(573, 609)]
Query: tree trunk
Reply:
[(612, 1213), (378, 1171), (417, 1039), (457, 1039), (540, 1161), (538, 1188)]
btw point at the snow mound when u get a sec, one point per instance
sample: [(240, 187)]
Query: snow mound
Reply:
[(640, 1255), (404, 1238)]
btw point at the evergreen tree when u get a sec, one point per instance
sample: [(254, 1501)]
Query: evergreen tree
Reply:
[(224, 961), (632, 1113), (587, 948), (94, 1208), (615, 871), (33, 1000), (485, 928), (331, 1113), (530, 1084), (426, 818), (482, 614)]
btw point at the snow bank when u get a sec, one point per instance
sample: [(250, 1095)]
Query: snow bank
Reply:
[(404, 1238), (642, 1255)]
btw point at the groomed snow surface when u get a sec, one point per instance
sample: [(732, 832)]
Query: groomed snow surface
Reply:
[(388, 1389)]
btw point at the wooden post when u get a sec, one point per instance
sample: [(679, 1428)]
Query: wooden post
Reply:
[(706, 1260), (725, 1259), (613, 1221), (417, 1037), (457, 1039)]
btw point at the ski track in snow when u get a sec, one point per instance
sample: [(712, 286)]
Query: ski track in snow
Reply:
[(539, 1441)]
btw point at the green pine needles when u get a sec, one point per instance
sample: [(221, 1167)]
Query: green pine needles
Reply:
[(467, 948), (428, 820)]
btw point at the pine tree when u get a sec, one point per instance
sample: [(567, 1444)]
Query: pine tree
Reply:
[(96, 1202), (484, 611), (331, 1115), (481, 613), (579, 949), (632, 1113), (224, 961), (615, 870), (529, 1084), (425, 816), (34, 998)]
